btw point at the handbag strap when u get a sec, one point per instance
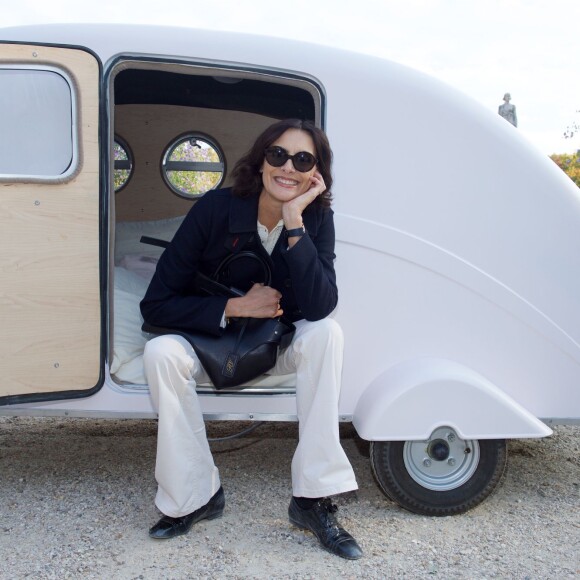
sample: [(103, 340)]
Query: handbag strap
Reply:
[(212, 285), (245, 254)]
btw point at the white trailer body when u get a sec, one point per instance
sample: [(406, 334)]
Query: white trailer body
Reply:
[(458, 260)]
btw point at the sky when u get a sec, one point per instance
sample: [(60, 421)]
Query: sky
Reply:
[(484, 48)]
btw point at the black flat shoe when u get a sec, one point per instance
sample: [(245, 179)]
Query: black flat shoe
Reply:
[(168, 527), (321, 521)]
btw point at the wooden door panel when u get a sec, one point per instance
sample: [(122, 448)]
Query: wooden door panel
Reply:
[(50, 300)]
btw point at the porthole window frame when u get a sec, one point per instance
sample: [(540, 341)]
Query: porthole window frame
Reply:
[(123, 143), (166, 164)]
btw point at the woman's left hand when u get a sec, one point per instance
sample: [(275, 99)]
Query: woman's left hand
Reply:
[(292, 210)]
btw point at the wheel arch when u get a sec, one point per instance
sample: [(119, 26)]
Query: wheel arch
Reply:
[(410, 400)]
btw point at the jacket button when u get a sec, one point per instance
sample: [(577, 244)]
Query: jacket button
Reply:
[(287, 282)]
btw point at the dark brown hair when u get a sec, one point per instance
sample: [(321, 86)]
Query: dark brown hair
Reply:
[(246, 174)]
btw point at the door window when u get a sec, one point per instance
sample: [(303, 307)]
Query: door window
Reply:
[(37, 117)]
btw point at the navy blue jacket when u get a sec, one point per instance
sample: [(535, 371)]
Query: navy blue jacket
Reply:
[(220, 224)]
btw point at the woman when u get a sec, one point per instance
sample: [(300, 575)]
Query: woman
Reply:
[(280, 202)]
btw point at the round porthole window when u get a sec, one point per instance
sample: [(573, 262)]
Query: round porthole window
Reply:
[(193, 164), (123, 163)]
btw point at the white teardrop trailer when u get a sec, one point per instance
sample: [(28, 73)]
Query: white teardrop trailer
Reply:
[(458, 244)]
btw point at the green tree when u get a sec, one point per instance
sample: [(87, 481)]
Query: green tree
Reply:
[(120, 176), (194, 182), (570, 164)]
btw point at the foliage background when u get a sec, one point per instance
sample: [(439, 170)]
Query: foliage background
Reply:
[(570, 164)]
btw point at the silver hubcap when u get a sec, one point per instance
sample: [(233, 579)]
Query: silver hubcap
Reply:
[(443, 462)]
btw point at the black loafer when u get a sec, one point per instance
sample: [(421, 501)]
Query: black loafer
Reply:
[(168, 527), (321, 521)]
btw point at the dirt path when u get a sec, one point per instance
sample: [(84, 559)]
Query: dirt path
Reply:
[(77, 500)]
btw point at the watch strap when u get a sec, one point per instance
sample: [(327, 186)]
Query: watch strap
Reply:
[(296, 232)]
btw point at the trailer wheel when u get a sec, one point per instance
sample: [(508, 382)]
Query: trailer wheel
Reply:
[(443, 476)]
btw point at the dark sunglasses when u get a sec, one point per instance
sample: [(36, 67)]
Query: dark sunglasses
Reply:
[(302, 161)]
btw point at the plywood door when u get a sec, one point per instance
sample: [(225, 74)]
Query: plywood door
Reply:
[(50, 300)]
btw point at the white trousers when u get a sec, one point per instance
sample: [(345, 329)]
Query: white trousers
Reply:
[(185, 471)]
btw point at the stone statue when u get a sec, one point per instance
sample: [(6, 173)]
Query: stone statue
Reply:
[(508, 111)]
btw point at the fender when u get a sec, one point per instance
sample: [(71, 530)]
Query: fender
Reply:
[(410, 400)]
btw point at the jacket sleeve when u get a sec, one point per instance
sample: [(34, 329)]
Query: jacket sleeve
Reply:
[(170, 300), (311, 265)]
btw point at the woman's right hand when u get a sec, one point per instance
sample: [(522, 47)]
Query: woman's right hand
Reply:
[(259, 302)]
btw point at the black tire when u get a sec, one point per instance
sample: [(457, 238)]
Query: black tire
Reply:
[(402, 470)]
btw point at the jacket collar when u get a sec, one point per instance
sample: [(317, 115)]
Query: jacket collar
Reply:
[(243, 214)]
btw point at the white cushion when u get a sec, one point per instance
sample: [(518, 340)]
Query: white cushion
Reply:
[(128, 338), (128, 237), (143, 266)]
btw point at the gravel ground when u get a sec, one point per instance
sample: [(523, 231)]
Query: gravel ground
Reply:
[(77, 500)]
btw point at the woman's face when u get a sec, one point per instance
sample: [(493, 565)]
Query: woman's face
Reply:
[(285, 183)]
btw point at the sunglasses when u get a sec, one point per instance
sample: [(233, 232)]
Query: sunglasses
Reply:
[(302, 161)]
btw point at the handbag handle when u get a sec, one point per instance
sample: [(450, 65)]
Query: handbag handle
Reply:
[(245, 254), (223, 265)]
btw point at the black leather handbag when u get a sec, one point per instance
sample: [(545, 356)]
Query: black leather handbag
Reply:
[(248, 347)]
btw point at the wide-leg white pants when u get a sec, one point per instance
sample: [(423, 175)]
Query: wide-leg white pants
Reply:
[(185, 471)]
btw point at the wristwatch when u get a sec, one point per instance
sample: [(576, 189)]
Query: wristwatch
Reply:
[(296, 232)]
